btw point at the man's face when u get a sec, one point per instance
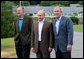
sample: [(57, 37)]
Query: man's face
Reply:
[(57, 12), (19, 11), (41, 16)]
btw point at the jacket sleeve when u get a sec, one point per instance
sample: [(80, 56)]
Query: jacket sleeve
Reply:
[(16, 35), (51, 41), (70, 31), (32, 36), (29, 28)]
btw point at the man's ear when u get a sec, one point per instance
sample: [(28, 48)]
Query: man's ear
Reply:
[(61, 11), (23, 9)]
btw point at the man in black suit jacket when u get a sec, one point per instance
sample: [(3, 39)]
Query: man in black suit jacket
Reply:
[(22, 33)]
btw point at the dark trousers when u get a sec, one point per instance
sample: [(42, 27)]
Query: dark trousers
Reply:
[(41, 53), (60, 54), (22, 51)]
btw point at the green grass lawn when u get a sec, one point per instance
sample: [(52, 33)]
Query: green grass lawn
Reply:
[(7, 47), (78, 28), (7, 43)]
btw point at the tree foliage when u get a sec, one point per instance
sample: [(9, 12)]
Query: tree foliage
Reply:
[(64, 3), (7, 27)]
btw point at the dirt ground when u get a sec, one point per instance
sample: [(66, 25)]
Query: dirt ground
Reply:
[(8, 53)]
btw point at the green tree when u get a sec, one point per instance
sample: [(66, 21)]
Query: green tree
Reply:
[(65, 3), (16, 2), (34, 2), (80, 2), (25, 3), (45, 3), (7, 27)]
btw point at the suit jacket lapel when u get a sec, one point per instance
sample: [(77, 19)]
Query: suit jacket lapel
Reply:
[(36, 28), (60, 23), (18, 25), (43, 27), (22, 24), (55, 27)]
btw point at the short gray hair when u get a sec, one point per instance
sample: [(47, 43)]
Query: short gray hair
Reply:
[(20, 6), (61, 9)]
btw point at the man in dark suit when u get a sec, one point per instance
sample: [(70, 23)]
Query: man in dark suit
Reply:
[(63, 34), (22, 33), (42, 36)]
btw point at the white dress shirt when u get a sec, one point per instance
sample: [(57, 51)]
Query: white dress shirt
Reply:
[(40, 26), (57, 24)]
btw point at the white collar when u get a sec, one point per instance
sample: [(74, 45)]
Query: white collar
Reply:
[(42, 20), (60, 18)]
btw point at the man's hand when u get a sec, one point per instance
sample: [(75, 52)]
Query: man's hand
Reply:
[(68, 47), (50, 49), (32, 49)]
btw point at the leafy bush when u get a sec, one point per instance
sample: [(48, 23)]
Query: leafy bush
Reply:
[(7, 17), (74, 20)]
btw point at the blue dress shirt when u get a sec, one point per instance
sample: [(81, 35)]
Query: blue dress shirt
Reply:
[(57, 24), (20, 24)]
